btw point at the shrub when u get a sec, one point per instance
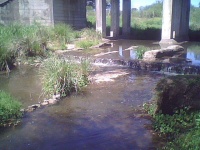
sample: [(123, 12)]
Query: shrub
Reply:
[(9, 109), (63, 76)]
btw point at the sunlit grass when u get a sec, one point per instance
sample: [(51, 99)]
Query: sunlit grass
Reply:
[(9, 109), (63, 76)]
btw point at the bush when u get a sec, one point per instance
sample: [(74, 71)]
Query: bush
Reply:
[(9, 109), (61, 76)]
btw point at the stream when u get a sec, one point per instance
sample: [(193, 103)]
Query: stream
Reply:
[(101, 117)]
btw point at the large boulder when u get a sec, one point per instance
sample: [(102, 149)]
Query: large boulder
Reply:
[(177, 92), (170, 51)]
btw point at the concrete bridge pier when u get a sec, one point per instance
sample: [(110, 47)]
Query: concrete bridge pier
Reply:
[(126, 18), (101, 17), (175, 26), (115, 14)]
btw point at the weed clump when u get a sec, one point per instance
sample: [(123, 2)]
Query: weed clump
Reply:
[(140, 50), (64, 76), (89, 38), (9, 109)]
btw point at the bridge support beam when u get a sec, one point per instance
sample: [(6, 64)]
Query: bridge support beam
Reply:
[(175, 25), (126, 18), (114, 18), (101, 17)]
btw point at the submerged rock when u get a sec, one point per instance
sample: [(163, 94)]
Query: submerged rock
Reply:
[(52, 101), (177, 92)]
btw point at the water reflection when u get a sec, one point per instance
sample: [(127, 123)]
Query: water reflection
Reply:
[(24, 84), (193, 53), (101, 117)]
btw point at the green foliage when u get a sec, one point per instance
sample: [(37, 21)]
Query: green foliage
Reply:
[(188, 139), (24, 41), (140, 50), (63, 33), (85, 44), (9, 109), (64, 76), (89, 38), (90, 34), (150, 11), (174, 124), (194, 18), (21, 40), (181, 130)]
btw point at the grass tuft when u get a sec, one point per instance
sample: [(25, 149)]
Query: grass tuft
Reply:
[(9, 109), (64, 76)]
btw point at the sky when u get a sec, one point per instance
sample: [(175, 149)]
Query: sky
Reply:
[(138, 3)]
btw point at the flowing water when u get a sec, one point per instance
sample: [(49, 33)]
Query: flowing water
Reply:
[(100, 117)]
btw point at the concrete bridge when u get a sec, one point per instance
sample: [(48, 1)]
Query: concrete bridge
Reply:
[(175, 25)]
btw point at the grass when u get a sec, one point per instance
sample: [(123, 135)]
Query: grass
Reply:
[(86, 44), (64, 76), (24, 41), (89, 38), (140, 50), (9, 109)]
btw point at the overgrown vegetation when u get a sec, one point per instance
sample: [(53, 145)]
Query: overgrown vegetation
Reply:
[(9, 109), (175, 111), (23, 41), (180, 130), (63, 76)]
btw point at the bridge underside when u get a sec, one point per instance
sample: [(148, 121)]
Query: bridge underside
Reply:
[(47, 12), (175, 25)]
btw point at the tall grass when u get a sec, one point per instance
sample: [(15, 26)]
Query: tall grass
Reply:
[(89, 38), (21, 40), (18, 40), (9, 108), (63, 34), (63, 76)]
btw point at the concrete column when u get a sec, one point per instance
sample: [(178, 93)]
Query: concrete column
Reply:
[(126, 18), (175, 25), (101, 17), (114, 32)]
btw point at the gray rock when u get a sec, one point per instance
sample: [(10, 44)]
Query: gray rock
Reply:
[(170, 51), (57, 96), (52, 101)]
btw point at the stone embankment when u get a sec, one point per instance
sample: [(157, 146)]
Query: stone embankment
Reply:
[(54, 100)]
